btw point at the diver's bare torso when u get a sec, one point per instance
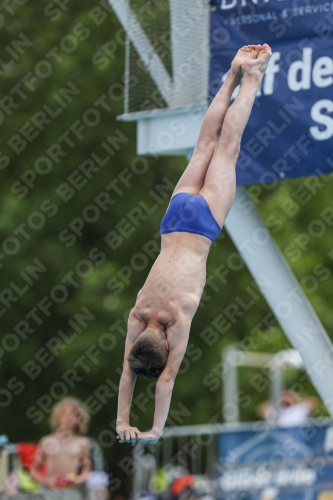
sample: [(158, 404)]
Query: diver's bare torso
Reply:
[(172, 291)]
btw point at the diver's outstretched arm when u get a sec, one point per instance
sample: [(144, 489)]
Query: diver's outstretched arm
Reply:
[(178, 334), (126, 433)]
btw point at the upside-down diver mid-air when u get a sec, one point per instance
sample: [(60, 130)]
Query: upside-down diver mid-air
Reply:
[(159, 323)]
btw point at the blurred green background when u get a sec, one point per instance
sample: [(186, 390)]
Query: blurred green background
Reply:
[(78, 269)]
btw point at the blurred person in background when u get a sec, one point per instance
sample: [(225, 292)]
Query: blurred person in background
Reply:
[(64, 454), (294, 409)]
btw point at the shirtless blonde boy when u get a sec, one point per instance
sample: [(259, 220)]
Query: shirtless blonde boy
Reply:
[(65, 453), (159, 323)]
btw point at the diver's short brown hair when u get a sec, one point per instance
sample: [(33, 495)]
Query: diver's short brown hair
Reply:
[(148, 357)]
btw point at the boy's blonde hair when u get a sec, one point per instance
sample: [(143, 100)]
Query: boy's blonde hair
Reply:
[(80, 410)]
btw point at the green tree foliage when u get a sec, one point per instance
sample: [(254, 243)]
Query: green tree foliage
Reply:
[(70, 175)]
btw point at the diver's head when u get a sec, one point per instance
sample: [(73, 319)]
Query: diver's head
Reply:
[(149, 353)]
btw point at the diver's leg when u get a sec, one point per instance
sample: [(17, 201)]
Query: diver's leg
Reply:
[(193, 177), (220, 181)]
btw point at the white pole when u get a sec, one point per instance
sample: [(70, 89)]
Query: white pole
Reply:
[(283, 293), (276, 387), (230, 400)]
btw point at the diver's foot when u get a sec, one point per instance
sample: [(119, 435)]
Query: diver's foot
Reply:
[(243, 56), (257, 66)]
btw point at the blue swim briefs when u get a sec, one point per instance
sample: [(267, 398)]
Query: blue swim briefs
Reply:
[(190, 213)]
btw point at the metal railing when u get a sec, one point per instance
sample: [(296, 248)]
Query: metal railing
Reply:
[(197, 450), (69, 494)]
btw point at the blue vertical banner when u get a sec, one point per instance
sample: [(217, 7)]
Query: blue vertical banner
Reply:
[(290, 131)]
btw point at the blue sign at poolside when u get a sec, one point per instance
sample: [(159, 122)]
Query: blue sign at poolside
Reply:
[(290, 132), (290, 463)]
